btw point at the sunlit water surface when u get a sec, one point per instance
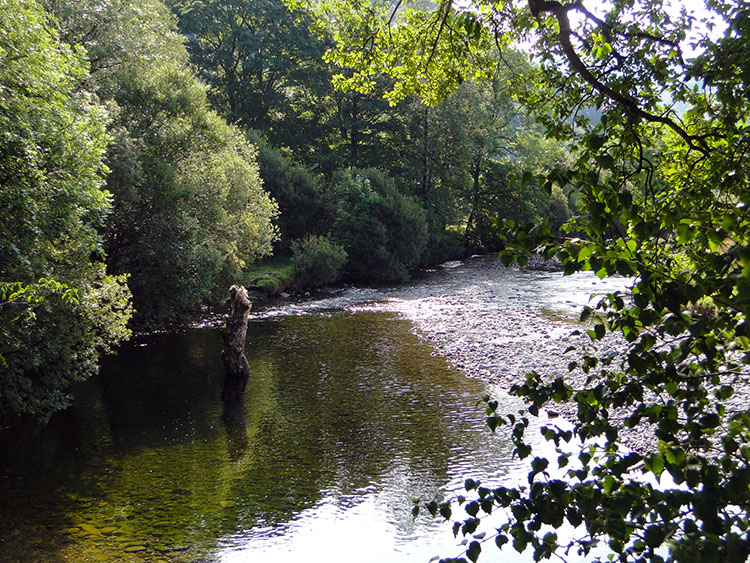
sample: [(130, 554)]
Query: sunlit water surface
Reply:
[(348, 417)]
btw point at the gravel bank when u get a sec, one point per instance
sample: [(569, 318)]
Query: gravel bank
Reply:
[(493, 323), (498, 323)]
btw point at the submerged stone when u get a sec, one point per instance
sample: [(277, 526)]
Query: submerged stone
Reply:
[(91, 530)]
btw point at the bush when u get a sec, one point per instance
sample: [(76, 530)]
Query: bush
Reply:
[(317, 261), (297, 190), (558, 210), (383, 231), (445, 243)]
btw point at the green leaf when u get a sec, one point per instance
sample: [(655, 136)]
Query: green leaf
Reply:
[(606, 161), (474, 550), (600, 330), (655, 464), (595, 142), (654, 536), (520, 538), (492, 422), (445, 510), (585, 314), (608, 484), (432, 508), (523, 451)]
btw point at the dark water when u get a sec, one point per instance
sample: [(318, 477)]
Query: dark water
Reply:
[(347, 417)]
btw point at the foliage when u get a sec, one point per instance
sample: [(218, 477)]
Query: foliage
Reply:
[(273, 275), (189, 211), (51, 154), (264, 68), (557, 212), (420, 54), (661, 180), (53, 336), (444, 242), (383, 232), (196, 214), (58, 311), (368, 132), (317, 261), (504, 193), (303, 205), (266, 71)]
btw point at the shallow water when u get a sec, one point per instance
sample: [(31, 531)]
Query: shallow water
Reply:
[(349, 416)]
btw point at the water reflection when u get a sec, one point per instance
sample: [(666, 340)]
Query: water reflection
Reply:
[(346, 418), (233, 417)]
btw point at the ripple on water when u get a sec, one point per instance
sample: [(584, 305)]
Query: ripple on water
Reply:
[(349, 416)]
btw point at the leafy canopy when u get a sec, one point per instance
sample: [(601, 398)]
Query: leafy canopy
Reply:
[(663, 189), (58, 311), (189, 209)]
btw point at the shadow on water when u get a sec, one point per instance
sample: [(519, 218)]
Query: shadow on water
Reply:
[(345, 419), (233, 417)]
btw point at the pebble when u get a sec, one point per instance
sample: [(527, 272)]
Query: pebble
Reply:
[(497, 336)]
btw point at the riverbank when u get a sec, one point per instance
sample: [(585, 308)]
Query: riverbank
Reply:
[(497, 324), (492, 322)]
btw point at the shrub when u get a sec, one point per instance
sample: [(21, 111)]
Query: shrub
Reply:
[(298, 192), (557, 211), (383, 231), (317, 261)]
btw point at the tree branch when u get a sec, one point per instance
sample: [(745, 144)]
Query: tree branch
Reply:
[(560, 12)]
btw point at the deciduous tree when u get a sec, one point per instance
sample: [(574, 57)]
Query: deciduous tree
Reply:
[(58, 311), (189, 210)]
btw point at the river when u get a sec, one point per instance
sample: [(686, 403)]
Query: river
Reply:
[(358, 404)]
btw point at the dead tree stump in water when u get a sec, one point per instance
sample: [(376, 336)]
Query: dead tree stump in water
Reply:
[(236, 367)]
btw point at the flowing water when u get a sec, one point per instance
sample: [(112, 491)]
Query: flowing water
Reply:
[(349, 416)]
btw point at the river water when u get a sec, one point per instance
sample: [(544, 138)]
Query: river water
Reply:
[(358, 404)]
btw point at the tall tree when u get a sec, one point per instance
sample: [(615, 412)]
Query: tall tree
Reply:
[(663, 182), (370, 132), (58, 311), (264, 67), (189, 210)]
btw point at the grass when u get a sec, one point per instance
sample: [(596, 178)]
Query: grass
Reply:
[(273, 275)]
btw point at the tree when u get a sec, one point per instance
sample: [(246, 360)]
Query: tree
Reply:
[(370, 133), (267, 71), (189, 211), (264, 67), (58, 311), (304, 208), (663, 188), (317, 261), (383, 232)]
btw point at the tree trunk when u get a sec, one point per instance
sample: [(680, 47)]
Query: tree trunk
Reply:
[(236, 367)]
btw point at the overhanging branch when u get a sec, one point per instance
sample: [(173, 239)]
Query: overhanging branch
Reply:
[(560, 12)]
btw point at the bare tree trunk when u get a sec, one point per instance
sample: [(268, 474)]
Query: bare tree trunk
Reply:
[(236, 367)]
